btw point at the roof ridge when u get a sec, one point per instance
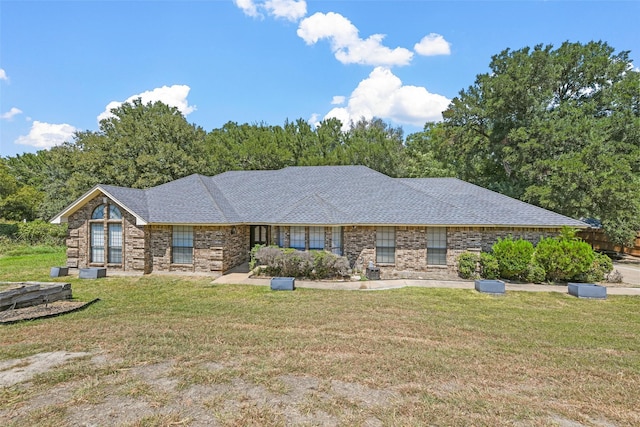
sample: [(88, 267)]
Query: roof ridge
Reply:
[(311, 196), (213, 199)]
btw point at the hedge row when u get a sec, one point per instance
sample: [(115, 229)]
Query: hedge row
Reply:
[(554, 259), (274, 261)]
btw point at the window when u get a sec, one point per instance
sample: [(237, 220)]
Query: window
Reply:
[(316, 238), (297, 238), (98, 213), (281, 234), (97, 242), (386, 245), (437, 246), (114, 212), (336, 240), (115, 243), (106, 218), (182, 245)]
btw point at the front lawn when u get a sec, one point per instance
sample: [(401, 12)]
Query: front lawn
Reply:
[(181, 350)]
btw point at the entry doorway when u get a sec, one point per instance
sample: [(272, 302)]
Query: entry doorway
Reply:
[(259, 235)]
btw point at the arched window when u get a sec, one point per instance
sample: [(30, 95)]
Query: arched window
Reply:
[(114, 212), (98, 213), (106, 235)]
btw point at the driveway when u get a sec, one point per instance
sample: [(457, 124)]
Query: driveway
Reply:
[(630, 272)]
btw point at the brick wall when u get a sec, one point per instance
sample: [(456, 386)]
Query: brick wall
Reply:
[(411, 248), (359, 246), (215, 248), (78, 239)]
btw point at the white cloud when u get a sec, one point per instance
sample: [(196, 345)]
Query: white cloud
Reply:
[(46, 135), (347, 45), (3, 74), (174, 96), (11, 113), (433, 44), (382, 95), (338, 100), (291, 10), (314, 120), (248, 7)]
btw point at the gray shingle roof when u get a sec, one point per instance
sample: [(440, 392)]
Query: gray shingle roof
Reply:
[(327, 195)]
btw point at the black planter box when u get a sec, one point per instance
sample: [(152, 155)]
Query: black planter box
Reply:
[(283, 283), (587, 290), (92, 273), (490, 286), (59, 271)]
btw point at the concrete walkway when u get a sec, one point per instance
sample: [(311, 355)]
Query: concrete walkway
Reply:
[(244, 279)]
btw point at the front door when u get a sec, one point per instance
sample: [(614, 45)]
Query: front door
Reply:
[(259, 235)]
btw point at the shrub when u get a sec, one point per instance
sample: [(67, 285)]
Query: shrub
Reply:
[(513, 256), (292, 263), (468, 264), (326, 264), (40, 232), (600, 268), (489, 266), (8, 229), (614, 277), (563, 259), (535, 273)]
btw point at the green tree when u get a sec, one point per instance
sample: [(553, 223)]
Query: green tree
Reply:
[(377, 145), (559, 128), (17, 201), (140, 146), (420, 154)]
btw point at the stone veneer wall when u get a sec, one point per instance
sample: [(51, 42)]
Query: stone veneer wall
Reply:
[(133, 239), (215, 248)]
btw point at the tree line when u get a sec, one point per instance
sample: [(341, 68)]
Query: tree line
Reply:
[(555, 127)]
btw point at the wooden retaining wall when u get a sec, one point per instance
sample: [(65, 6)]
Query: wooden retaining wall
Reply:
[(26, 294), (600, 242)]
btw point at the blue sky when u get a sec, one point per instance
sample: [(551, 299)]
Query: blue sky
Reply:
[(63, 64)]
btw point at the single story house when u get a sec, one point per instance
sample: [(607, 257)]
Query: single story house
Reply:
[(200, 224)]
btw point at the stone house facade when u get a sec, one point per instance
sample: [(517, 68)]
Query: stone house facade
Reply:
[(208, 225)]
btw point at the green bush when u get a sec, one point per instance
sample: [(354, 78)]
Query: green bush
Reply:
[(600, 269), (468, 265), (513, 256), (40, 232), (489, 268), (535, 273), (563, 259), (8, 229)]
